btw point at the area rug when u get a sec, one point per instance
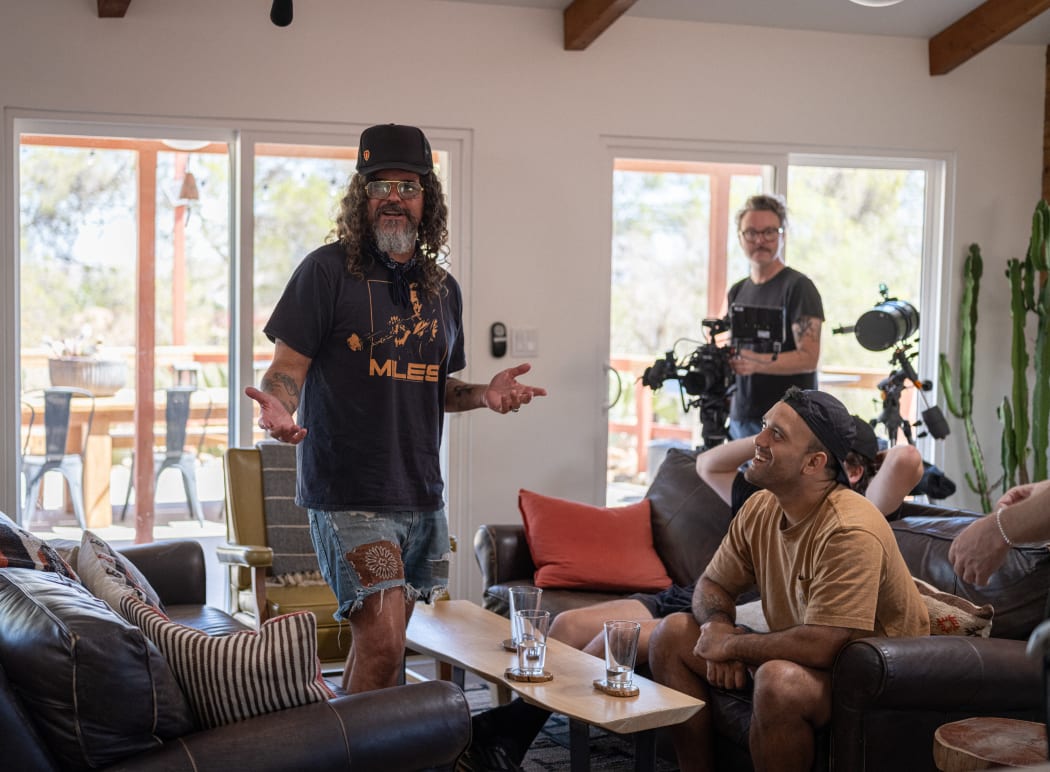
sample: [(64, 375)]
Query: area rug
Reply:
[(550, 751)]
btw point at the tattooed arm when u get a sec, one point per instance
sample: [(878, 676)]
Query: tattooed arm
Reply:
[(711, 603), (279, 397), (502, 394), (804, 359)]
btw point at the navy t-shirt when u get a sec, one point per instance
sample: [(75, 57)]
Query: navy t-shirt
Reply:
[(373, 401), (799, 297)]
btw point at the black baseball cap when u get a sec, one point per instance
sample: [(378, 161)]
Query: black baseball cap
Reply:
[(865, 443), (391, 146), (828, 419)]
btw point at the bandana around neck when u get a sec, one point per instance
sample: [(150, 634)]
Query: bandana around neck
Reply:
[(399, 286)]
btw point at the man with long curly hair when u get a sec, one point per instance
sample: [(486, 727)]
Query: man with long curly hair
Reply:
[(365, 336)]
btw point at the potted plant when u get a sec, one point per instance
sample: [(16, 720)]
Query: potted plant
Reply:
[(79, 362)]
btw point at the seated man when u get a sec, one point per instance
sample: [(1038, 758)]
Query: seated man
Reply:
[(509, 730), (899, 470), (828, 569)]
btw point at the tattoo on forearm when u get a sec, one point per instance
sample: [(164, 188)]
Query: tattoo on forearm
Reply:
[(708, 606), (283, 387)]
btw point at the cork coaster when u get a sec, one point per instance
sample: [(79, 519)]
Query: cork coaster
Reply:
[(602, 685), (508, 644), (514, 674)]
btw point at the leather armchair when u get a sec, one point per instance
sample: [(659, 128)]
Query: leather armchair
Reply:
[(248, 556)]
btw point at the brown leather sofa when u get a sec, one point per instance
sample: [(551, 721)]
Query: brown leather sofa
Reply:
[(413, 727), (890, 694)]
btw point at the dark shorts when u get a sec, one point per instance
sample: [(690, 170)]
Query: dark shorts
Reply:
[(662, 604)]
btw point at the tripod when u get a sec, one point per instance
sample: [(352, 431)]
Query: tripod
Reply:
[(891, 388), (890, 416)]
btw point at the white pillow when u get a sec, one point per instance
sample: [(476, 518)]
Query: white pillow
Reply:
[(110, 576)]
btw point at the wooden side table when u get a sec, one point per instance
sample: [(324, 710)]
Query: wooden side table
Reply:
[(987, 742)]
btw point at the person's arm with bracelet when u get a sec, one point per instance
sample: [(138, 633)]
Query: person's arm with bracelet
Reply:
[(1021, 516), (718, 466)]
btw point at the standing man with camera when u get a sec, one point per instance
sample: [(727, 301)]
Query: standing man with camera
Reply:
[(762, 374)]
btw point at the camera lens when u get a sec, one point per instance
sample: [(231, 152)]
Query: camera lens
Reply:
[(886, 324)]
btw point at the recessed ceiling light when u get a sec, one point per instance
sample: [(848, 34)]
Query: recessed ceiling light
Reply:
[(875, 3)]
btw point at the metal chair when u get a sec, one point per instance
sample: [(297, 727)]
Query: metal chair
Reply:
[(57, 414), (177, 404)]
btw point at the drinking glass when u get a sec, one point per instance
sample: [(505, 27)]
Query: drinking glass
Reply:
[(523, 597), (532, 645), (621, 650)]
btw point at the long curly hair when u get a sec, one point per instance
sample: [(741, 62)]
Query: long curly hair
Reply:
[(353, 230)]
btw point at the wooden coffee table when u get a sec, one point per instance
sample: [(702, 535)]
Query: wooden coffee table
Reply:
[(469, 637)]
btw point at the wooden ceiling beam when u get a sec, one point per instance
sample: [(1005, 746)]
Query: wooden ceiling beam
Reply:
[(585, 20), (112, 9), (989, 22)]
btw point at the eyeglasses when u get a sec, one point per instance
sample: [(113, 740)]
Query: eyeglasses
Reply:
[(406, 189), (767, 234)]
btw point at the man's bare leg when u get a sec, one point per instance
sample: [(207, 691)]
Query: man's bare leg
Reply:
[(597, 644), (673, 664), (790, 703), (580, 627), (378, 650)]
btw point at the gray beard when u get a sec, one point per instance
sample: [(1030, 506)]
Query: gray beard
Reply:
[(396, 241)]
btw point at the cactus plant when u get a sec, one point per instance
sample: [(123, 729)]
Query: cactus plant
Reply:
[(1029, 293), (962, 408)]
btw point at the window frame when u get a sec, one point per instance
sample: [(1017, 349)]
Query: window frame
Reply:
[(241, 137), (936, 283)]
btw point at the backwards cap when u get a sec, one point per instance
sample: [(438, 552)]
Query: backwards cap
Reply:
[(865, 443), (829, 420)]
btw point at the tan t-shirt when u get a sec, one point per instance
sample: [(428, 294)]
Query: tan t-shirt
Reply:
[(839, 567)]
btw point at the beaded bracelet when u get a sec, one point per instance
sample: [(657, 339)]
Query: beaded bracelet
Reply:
[(999, 522)]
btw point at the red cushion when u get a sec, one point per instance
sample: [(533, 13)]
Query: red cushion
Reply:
[(580, 546)]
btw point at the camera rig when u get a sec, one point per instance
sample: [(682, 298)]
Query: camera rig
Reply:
[(706, 373), (889, 324)]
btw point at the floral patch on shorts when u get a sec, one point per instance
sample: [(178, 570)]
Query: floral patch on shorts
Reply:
[(377, 562)]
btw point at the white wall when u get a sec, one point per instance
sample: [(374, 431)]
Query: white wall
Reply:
[(537, 117)]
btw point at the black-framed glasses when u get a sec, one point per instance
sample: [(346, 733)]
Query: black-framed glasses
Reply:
[(406, 189), (766, 234)]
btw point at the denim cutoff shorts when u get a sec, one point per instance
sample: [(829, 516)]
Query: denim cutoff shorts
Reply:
[(362, 553)]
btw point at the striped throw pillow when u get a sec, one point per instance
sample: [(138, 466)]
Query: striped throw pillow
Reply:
[(233, 677)]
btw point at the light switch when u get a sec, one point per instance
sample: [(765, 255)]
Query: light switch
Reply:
[(524, 342)]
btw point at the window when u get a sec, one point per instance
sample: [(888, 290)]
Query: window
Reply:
[(129, 238), (124, 264), (855, 223)]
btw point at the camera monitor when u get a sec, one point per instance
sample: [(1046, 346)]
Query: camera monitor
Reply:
[(756, 324)]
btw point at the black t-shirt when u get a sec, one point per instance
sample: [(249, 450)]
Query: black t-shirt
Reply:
[(793, 291), (373, 401)]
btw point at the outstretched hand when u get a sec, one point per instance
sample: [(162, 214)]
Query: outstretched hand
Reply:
[(275, 418), (505, 395)]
